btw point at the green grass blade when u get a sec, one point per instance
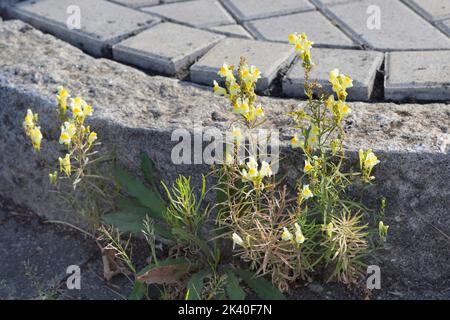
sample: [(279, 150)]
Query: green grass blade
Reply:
[(263, 288)]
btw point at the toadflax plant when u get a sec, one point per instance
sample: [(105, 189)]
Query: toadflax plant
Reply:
[(320, 228)]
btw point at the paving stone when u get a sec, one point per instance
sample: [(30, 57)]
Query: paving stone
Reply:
[(232, 30), (318, 28), (410, 32), (136, 3), (431, 9), (103, 23), (167, 48), (255, 9), (421, 75), (197, 13), (269, 57), (360, 65)]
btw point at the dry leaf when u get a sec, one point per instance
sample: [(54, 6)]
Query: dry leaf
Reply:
[(164, 274)]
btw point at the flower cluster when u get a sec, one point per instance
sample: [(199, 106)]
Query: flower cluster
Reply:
[(241, 91), (286, 235), (367, 160), (252, 174), (32, 130), (75, 136), (303, 47)]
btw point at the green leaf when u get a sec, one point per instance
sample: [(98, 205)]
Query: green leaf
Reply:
[(136, 189), (138, 291), (234, 290), (131, 220), (263, 288), (147, 168), (195, 285), (126, 221)]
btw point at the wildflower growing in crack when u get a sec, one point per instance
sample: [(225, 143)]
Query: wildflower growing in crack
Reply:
[(367, 160), (252, 174), (219, 90), (64, 164), (382, 230), (92, 138), (61, 98), (32, 130), (53, 177), (226, 72), (308, 167), (299, 237), (237, 240), (340, 83), (302, 46), (286, 235), (306, 192), (296, 142), (68, 130)]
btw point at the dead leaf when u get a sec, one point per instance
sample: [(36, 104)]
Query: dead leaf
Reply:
[(164, 274), (111, 265)]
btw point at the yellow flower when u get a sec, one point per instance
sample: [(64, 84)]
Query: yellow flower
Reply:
[(226, 72), (306, 192), (92, 137), (36, 138), (236, 133), (328, 229), (237, 240), (62, 97), (286, 235), (235, 90), (371, 160), (250, 75), (77, 104), (302, 46), (299, 237), (313, 138), (68, 130), (219, 90), (266, 170), (308, 167), (343, 109), (241, 106), (29, 121), (87, 110), (382, 230), (64, 164), (340, 83), (296, 142), (252, 174), (53, 177)]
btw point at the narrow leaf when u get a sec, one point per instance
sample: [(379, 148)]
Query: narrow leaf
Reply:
[(234, 290), (138, 291), (147, 168), (195, 285), (263, 288), (136, 189)]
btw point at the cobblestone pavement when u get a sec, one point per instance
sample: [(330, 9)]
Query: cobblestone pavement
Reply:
[(396, 50)]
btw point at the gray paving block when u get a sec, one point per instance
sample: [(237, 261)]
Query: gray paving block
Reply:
[(360, 65), (431, 9), (318, 28), (136, 3), (401, 28), (103, 23), (167, 48), (255, 9), (232, 30), (422, 75), (269, 57), (197, 13)]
